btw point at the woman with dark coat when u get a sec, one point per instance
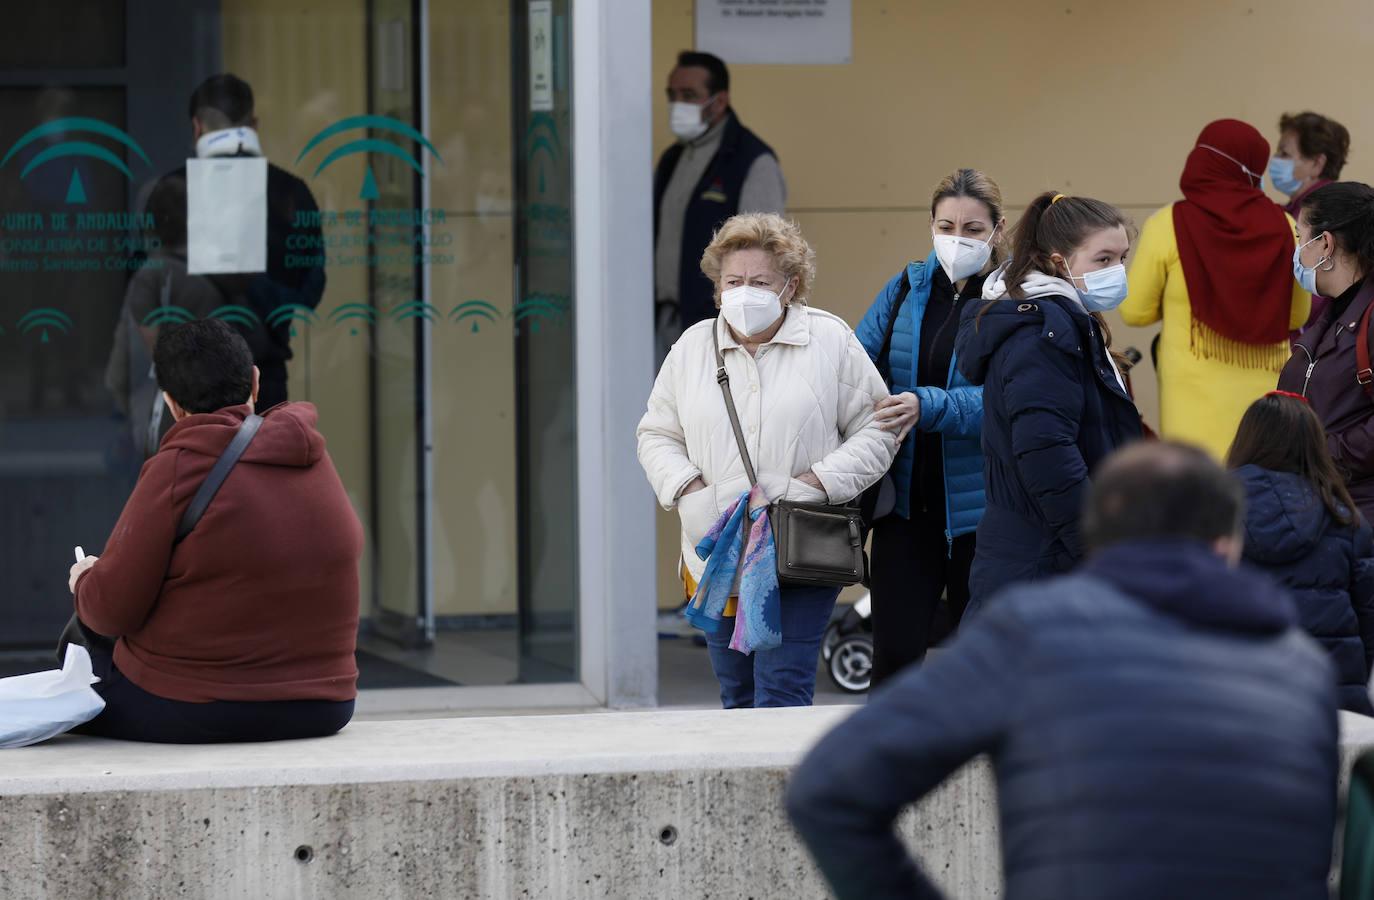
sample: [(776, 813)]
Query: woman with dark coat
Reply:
[(1335, 255), (1054, 399), (1302, 528)]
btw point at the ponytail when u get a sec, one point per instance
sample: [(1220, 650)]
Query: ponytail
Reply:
[(1346, 209), (1027, 254), (1054, 223)]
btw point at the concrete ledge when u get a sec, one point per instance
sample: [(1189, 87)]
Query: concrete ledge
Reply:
[(654, 804)]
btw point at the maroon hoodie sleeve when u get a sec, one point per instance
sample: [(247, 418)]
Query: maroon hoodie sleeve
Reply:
[(115, 596)]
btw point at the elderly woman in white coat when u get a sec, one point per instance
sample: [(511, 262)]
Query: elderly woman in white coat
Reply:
[(806, 393)]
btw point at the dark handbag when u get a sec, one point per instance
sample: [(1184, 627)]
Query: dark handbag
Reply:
[(77, 632), (817, 545), (880, 500)]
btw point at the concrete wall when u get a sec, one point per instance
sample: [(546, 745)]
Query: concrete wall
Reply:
[(618, 805), (614, 805), (564, 836)]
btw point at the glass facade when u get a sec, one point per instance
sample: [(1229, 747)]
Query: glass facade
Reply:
[(435, 139)]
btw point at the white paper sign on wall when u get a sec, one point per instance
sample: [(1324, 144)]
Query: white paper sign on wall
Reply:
[(541, 55), (806, 32)]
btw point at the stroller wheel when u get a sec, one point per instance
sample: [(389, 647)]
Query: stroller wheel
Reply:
[(851, 663)]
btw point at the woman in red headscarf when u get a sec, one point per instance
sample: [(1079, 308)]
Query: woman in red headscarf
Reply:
[(1217, 267)]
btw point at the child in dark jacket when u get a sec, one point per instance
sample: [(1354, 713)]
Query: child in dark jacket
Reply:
[(1303, 529)]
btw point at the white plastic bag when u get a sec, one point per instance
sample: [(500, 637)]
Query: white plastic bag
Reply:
[(42, 705)]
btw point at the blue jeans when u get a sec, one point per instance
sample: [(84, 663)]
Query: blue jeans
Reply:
[(785, 675)]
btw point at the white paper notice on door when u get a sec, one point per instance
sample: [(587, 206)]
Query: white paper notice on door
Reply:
[(541, 55), (226, 215)]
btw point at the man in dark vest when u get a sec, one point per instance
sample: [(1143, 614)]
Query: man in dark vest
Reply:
[(716, 169)]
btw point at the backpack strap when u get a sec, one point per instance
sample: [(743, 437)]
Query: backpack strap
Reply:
[(882, 363), (223, 466), (1365, 373)]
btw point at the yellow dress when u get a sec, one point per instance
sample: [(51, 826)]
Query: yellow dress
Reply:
[(1200, 400)]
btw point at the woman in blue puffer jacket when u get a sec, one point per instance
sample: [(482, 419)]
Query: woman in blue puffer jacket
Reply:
[(925, 545), (1054, 400), (1303, 529)]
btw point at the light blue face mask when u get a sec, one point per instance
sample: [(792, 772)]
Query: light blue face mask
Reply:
[(1102, 290), (1281, 174), (1306, 275)]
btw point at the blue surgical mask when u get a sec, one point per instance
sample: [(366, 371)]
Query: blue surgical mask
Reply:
[(1102, 290), (1281, 174), (1306, 275)]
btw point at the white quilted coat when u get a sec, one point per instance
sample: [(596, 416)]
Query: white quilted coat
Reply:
[(806, 402)]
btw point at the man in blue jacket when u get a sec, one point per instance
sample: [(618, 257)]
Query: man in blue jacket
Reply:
[(1159, 725)]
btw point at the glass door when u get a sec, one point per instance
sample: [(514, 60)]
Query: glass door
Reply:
[(546, 394), (392, 191)]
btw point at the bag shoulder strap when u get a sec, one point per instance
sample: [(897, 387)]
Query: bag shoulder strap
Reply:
[(1364, 374), (882, 362), (723, 379), (212, 483)]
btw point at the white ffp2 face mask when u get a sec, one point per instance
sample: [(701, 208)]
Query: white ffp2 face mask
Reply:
[(750, 310), (686, 121), (962, 257)]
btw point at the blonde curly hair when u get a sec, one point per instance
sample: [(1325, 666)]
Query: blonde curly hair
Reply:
[(779, 237)]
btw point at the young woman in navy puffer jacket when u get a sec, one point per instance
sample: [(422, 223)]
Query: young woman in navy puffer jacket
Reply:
[(1054, 401), (1303, 529)]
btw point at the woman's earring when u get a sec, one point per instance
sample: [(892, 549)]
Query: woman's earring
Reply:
[(1330, 264)]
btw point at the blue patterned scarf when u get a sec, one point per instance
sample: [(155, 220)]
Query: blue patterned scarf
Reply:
[(743, 528)]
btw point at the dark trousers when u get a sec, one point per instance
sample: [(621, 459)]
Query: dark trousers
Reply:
[(133, 714), (912, 566)]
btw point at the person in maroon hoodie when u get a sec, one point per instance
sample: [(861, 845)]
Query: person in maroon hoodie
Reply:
[(1335, 258), (246, 629)]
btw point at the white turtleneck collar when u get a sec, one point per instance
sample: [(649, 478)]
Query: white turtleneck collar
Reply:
[(240, 141)]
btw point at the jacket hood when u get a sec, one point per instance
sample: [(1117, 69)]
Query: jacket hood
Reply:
[(1050, 308), (1036, 284), (1185, 580), (1284, 516), (288, 436)]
